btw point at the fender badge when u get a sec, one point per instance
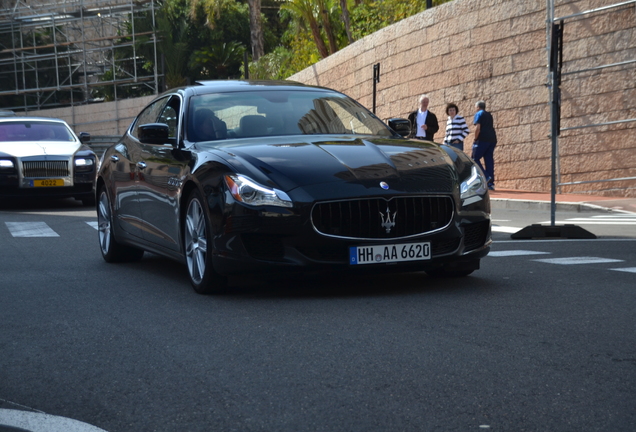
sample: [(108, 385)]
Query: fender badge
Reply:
[(384, 185)]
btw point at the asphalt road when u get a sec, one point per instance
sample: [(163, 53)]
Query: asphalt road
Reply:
[(541, 338)]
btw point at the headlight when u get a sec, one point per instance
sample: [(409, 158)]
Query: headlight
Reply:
[(474, 187), (6, 164), (247, 191), (84, 162)]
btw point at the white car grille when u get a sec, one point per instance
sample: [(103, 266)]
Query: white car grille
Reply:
[(45, 169)]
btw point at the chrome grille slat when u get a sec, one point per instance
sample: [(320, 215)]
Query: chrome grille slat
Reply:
[(45, 169), (363, 218)]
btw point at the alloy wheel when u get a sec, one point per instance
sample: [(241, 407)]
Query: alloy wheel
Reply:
[(195, 241)]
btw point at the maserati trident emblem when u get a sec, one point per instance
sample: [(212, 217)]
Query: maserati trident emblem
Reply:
[(388, 223), (384, 185)]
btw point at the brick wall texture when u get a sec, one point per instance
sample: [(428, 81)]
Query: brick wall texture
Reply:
[(495, 50)]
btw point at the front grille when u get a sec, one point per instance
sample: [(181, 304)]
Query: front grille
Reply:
[(372, 218), (475, 235), (45, 169)]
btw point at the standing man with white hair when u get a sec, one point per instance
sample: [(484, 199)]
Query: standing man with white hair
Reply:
[(485, 142), (423, 122)]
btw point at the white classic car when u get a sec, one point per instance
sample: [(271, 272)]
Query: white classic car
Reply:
[(42, 157)]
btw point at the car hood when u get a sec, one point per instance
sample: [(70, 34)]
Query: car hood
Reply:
[(404, 165), (36, 148)]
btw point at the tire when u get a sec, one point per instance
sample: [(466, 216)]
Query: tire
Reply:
[(196, 233), (112, 251)]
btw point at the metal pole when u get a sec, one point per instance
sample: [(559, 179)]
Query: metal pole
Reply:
[(554, 138), (376, 79), (246, 62)]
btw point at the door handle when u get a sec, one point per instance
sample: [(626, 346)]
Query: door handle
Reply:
[(114, 158), (141, 165)]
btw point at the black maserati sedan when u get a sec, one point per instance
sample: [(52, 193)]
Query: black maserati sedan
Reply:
[(236, 177)]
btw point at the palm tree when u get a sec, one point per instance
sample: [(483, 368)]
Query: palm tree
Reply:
[(214, 9), (303, 11), (173, 48), (256, 30), (326, 25), (347, 22)]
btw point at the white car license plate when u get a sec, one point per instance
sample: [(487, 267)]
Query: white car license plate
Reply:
[(389, 253)]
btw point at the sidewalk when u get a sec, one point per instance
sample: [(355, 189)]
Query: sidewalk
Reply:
[(517, 199)]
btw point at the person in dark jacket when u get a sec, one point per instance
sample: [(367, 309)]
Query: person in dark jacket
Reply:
[(423, 122), (485, 142)]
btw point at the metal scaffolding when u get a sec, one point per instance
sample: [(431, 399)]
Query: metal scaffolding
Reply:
[(64, 53)]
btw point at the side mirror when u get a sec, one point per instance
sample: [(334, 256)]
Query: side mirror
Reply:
[(154, 133), (84, 137), (400, 126)]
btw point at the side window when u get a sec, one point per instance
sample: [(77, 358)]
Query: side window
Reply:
[(170, 116), (149, 115)]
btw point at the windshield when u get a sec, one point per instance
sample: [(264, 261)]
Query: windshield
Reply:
[(278, 112), (34, 131)]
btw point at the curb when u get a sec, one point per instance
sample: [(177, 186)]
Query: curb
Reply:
[(516, 204)]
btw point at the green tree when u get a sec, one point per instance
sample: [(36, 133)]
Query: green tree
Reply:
[(302, 14), (219, 61)]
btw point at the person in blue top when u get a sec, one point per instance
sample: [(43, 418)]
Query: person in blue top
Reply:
[(485, 142)]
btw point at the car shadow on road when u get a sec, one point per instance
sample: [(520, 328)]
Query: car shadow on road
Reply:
[(173, 276), (346, 285)]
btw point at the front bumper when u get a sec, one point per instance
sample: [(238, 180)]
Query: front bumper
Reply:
[(256, 243)]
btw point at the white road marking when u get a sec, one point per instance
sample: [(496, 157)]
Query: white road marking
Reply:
[(626, 269), (505, 229), (30, 229), (516, 253), (41, 422), (94, 224), (586, 221), (577, 260)]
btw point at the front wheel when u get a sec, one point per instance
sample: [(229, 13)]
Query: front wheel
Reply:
[(196, 233), (112, 251)]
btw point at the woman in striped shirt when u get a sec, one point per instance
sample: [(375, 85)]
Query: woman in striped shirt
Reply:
[(456, 127)]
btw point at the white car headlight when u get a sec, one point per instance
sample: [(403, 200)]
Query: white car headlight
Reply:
[(474, 187), (82, 162), (6, 164), (247, 191)]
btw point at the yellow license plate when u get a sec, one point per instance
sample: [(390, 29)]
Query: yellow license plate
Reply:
[(47, 182)]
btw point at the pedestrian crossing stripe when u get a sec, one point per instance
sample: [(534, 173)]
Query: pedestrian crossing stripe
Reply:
[(626, 269), (505, 229), (30, 229), (516, 253), (578, 260), (36, 229)]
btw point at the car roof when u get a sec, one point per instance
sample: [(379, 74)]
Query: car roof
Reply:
[(18, 118), (213, 86)]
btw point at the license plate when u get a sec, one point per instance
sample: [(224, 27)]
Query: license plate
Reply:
[(47, 182), (389, 253)]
